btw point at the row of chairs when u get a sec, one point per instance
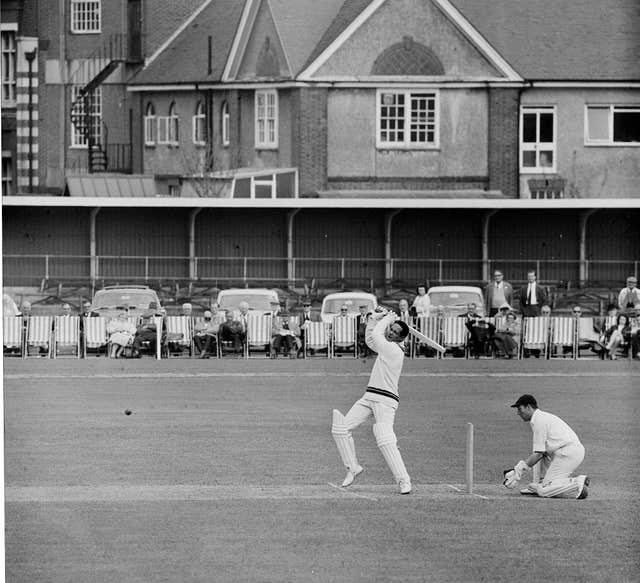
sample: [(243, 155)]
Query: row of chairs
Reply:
[(55, 336)]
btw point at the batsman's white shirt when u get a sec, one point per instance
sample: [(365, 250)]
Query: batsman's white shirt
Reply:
[(551, 433), (383, 381)]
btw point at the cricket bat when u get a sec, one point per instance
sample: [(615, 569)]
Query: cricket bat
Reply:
[(428, 341)]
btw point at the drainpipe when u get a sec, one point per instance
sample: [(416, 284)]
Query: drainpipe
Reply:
[(388, 261), (93, 247), (583, 277), (485, 244), (30, 56), (291, 264), (193, 267)]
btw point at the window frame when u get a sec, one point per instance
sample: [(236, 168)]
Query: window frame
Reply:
[(538, 146), (225, 120), (266, 143), (168, 128), (8, 173), (611, 111), (96, 119), (80, 25), (406, 143), (10, 83), (198, 126), (150, 126)]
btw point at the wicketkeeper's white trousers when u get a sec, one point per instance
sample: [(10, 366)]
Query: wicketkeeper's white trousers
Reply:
[(556, 469)]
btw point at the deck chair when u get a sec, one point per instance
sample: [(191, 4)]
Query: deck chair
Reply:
[(95, 336), (454, 334), (39, 331), (178, 340), (66, 336), (13, 336), (317, 338), (588, 338), (430, 327), (563, 337), (535, 336), (258, 334), (343, 335)]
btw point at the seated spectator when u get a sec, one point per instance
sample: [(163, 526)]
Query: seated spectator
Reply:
[(480, 334), (285, 336), (231, 330), (635, 337), (308, 315), (242, 315), (618, 336), (66, 310), (187, 310), (587, 338), (121, 332), (506, 338), (205, 334), (147, 331), (421, 303), (545, 311), (361, 327), (629, 296)]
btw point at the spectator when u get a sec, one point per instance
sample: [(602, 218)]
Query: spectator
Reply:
[(480, 334), (532, 296), (629, 296), (588, 336), (545, 311), (121, 332), (285, 336), (635, 338), (361, 325), (275, 308), (242, 315), (205, 334), (86, 310), (147, 330), (471, 313), (497, 293), (231, 330), (25, 309), (618, 335), (404, 313), (187, 309), (66, 310), (308, 315), (344, 311), (421, 303), (506, 338)]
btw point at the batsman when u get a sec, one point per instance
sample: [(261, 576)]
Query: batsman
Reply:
[(558, 450), (385, 335)]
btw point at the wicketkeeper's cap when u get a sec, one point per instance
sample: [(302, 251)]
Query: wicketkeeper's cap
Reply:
[(526, 400)]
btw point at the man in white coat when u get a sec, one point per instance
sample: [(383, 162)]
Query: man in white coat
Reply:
[(385, 335), (557, 448)]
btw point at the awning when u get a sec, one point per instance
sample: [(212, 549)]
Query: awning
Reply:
[(112, 186)]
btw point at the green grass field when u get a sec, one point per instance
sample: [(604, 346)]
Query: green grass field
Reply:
[(225, 471)]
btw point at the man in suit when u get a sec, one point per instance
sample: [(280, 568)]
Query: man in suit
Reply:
[(497, 293), (532, 296), (361, 327), (308, 315)]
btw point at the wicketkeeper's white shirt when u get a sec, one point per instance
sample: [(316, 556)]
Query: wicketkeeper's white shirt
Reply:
[(550, 433), (388, 365)]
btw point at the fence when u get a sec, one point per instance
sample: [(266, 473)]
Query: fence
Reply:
[(316, 272)]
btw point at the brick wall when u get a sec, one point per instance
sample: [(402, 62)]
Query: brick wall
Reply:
[(503, 141), (310, 139)]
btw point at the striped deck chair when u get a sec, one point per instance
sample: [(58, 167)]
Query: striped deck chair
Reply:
[(38, 341), (563, 337), (454, 334), (430, 327), (343, 335), (95, 335), (258, 334), (66, 336), (588, 337), (317, 337), (13, 336), (178, 340), (535, 336)]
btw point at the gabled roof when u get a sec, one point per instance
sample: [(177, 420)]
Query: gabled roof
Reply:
[(186, 58)]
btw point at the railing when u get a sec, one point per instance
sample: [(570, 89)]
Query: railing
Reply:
[(322, 271)]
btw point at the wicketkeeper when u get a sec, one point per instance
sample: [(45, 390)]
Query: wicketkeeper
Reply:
[(558, 450), (385, 335)]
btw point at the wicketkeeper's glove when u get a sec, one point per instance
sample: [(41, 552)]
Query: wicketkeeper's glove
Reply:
[(513, 476)]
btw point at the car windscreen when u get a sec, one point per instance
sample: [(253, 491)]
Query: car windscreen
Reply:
[(454, 298), (119, 299), (333, 306), (255, 301)]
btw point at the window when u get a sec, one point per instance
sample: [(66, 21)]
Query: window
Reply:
[(80, 133), (608, 125), (266, 119), (8, 67), (538, 139), (199, 125), (407, 120), (85, 16), (150, 125), (168, 127), (7, 174), (224, 123)]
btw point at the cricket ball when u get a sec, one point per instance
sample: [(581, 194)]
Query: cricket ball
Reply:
[(127, 411)]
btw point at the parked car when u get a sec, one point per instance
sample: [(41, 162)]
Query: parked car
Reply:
[(332, 303), (112, 300), (259, 299), (452, 300)]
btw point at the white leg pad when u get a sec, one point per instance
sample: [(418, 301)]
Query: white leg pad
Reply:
[(387, 443), (559, 488), (344, 441)]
